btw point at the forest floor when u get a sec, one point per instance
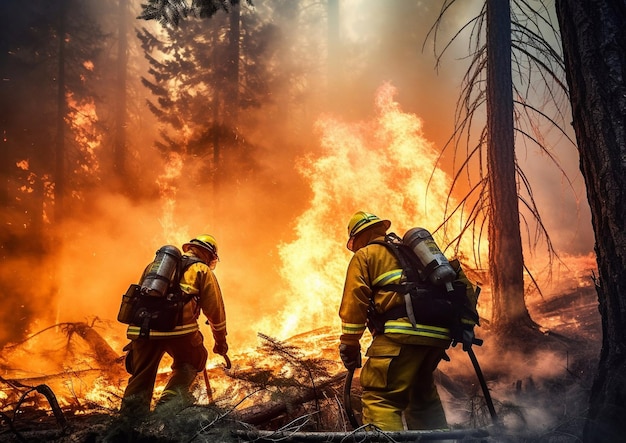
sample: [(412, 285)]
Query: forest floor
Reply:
[(540, 393)]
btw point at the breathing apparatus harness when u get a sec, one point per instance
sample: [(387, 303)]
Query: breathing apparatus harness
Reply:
[(158, 300), (175, 293), (424, 301)]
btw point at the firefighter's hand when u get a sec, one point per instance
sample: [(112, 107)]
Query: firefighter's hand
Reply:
[(350, 356), (221, 347), (467, 338)]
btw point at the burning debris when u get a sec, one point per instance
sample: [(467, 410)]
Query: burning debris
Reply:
[(264, 388), (282, 390)]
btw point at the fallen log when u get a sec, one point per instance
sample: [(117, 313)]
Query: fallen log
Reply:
[(467, 435), (103, 353)]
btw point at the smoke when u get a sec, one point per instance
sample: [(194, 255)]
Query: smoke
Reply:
[(517, 383)]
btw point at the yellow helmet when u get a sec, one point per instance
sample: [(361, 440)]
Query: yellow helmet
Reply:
[(204, 241), (360, 221)]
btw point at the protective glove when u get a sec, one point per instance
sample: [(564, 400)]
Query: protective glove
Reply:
[(221, 347), (467, 337), (350, 356)]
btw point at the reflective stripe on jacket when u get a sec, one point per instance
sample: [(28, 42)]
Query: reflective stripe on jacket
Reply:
[(133, 331), (403, 326)]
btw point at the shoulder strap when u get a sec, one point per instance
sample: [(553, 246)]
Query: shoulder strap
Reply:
[(184, 262), (406, 257), (188, 260)]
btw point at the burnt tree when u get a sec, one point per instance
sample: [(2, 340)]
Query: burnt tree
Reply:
[(59, 173), (594, 45), (510, 41), (506, 261), (119, 143)]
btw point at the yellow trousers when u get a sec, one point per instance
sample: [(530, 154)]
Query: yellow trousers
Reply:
[(397, 379)]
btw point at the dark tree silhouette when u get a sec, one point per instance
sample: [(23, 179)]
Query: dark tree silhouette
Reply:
[(62, 109), (119, 143), (216, 69), (171, 12), (49, 58), (594, 45), (506, 261)]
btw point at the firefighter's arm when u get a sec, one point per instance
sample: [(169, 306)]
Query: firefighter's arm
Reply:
[(212, 305), (354, 303), (353, 312), (469, 316)]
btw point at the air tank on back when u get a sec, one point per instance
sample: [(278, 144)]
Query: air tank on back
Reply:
[(157, 280), (435, 265)]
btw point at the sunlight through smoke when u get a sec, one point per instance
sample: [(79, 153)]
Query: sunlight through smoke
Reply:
[(168, 188)]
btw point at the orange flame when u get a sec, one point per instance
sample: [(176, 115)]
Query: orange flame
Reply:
[(384, 166), (82, 119)]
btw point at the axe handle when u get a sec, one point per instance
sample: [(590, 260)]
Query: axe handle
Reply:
[(209, 392), (483, 385), (347, 402)]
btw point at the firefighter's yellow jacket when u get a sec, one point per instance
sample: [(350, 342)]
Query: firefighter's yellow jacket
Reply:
[(199, 282), (373, 266)]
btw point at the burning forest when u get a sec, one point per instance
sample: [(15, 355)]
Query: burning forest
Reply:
[(133, 134)]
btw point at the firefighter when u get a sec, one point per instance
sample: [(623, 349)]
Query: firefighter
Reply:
[(397, 378), (185, 343)]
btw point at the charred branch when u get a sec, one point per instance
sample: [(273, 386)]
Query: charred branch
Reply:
[(102, 351), (50, 397), (362, 436), (264, 413)]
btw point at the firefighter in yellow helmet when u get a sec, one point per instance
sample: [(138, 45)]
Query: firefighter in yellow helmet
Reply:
[(397, 378), (185, 343)]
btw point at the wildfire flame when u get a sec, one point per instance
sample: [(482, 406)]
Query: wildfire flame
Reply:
[(82, 120), (385, 166)]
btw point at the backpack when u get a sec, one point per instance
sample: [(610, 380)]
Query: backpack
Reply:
[(157, 310), (425, 302)]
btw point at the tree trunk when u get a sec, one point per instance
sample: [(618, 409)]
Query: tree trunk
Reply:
[(593, 37), (215, 136), (232, 77), (119, 149), (6, 157), (59, 173), (506, 261)]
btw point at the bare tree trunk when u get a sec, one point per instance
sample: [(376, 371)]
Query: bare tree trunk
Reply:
[(119, 149), (216, 140), (593, 37), (232, 77), (5, 152), (506, 261), (59, 174)]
